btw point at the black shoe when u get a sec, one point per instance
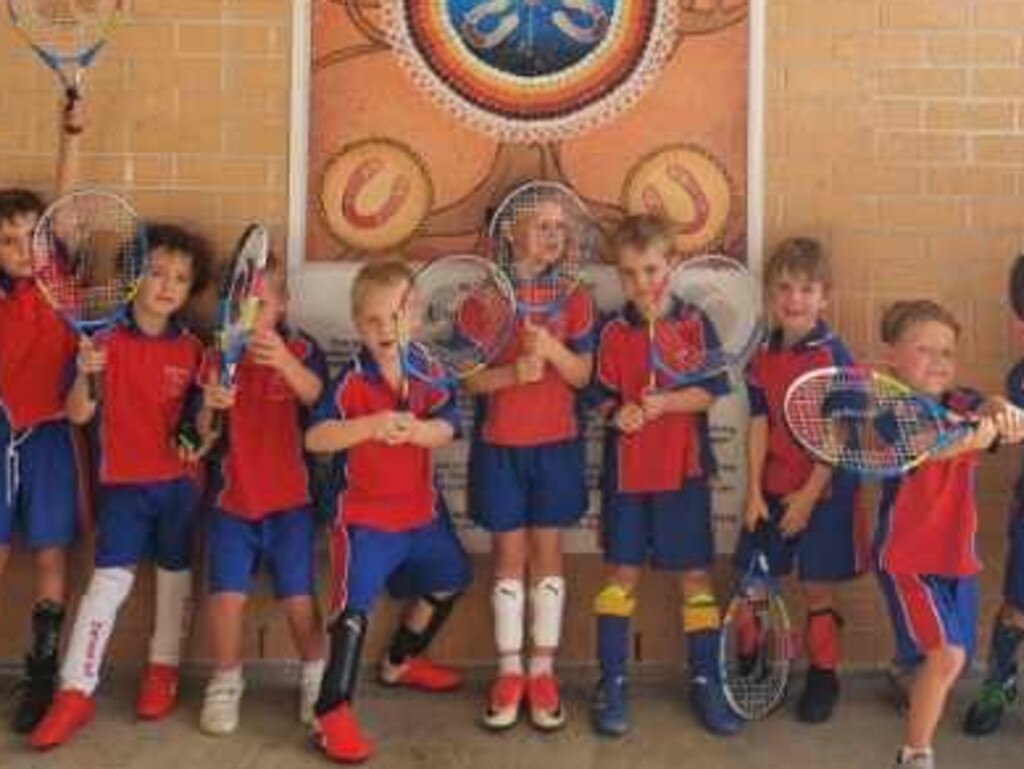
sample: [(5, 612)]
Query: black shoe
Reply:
[(35, 693), (821, 691), (986, 713)]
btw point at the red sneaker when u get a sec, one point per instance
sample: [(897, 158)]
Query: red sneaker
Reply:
[(338, 735), (546, 711), (504, 701), (421, 673), (71, 710), (158, 692)]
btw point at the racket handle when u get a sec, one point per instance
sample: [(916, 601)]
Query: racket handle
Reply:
[(95, 387)]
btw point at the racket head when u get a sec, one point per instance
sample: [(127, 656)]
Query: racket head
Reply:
[(460, 311), (65, 31), (866, 422), (543, 237), (706, 320), (1017, 287), (89, 250), (757, 644), (240, 297)]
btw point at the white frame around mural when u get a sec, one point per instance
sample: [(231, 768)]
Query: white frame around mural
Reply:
[(321, 288)]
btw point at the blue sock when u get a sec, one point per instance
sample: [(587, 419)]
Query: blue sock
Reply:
[(612, 644), (702, 653)]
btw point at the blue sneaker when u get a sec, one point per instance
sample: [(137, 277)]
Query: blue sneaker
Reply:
[(609, 709), (708, 701)]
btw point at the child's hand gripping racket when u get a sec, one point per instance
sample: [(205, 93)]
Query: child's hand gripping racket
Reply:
[(238, 305), (703, 321), (89, 251), (757, 641), (66, 34), (456, 317), (869, 423)]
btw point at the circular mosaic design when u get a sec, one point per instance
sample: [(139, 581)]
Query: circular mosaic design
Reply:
[(374, 194), (687, 185), (533, 70)]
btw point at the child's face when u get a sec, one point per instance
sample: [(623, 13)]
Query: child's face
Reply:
[(376, 320), (15, 245), (796, 301), (924, 357), (539, 238), (643, 273), (165, 286)]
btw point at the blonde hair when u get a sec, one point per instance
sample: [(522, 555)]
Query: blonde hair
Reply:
[(376, 274), (804, 257), (902, 315), (641, 232)]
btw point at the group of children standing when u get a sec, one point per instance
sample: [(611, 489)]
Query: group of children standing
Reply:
[(391, 531)]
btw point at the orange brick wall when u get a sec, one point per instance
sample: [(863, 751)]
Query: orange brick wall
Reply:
[(895, 132)]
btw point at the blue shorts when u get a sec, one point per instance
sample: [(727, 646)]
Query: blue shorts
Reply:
[(38, 485), (148, 520), (671, 529), (515, 487), (833, 547), (1013, 578), (283, 541), (930, 612), (408, 564)]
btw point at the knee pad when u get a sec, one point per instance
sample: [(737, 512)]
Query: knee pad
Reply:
[(700, 612), (547, 600), (614, 601)]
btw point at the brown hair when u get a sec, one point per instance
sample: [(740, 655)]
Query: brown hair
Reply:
[(191, 244), (384, 272), (805, 257), (643, 231), (899, 317), (17, 202)]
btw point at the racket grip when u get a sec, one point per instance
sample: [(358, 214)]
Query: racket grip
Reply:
[(95, 388)]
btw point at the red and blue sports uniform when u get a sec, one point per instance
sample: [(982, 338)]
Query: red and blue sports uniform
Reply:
[(1013, 580), (656, 501), (262, 507), (38, 482), (526, 464), (392, 528), (833, 547), (924, 550), (147, 497)]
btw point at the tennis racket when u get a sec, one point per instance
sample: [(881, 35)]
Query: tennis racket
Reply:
[(868, 423), (542, 237), (239, 304), (456, 317), (66, 34), (89, 251), (703, 321), (757, 642)]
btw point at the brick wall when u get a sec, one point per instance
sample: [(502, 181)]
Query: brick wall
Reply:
[(894, 132)]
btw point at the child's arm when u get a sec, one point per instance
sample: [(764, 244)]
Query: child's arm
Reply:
[(499, 377), (574, 368), (269, 349), (72, 124), (689, 400), (335, 435), (757, 452), (800, 504), (91, 360)]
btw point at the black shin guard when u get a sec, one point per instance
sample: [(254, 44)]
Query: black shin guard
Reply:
[(346, 637), (47, 619), (410, 643)]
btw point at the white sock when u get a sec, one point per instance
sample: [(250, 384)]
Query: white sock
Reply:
[(312, 671), (227, 676), (508, 600), (173, 594), (547, 605), (907, 752), (97, 612)]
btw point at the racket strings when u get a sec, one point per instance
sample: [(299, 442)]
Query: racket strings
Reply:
[(758, 650), (65, 28)]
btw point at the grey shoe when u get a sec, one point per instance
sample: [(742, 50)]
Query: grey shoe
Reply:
[(918, 761)]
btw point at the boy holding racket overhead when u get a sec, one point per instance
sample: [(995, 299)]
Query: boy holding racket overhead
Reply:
[(809, 514), (924, 548), (392, 529), (1000, 687), (527, 456), (656, 505), (262, 507), (38, 482), (146, 363)]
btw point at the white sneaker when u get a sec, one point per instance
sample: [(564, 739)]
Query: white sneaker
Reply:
[(221, 705), (309, 690)]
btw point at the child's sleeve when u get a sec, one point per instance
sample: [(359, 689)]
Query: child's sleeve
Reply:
[(314, 358), (445, 406), (755, 388), (963, 400), (607, 373), (331, 406), (582, 322), (1015, 385)]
